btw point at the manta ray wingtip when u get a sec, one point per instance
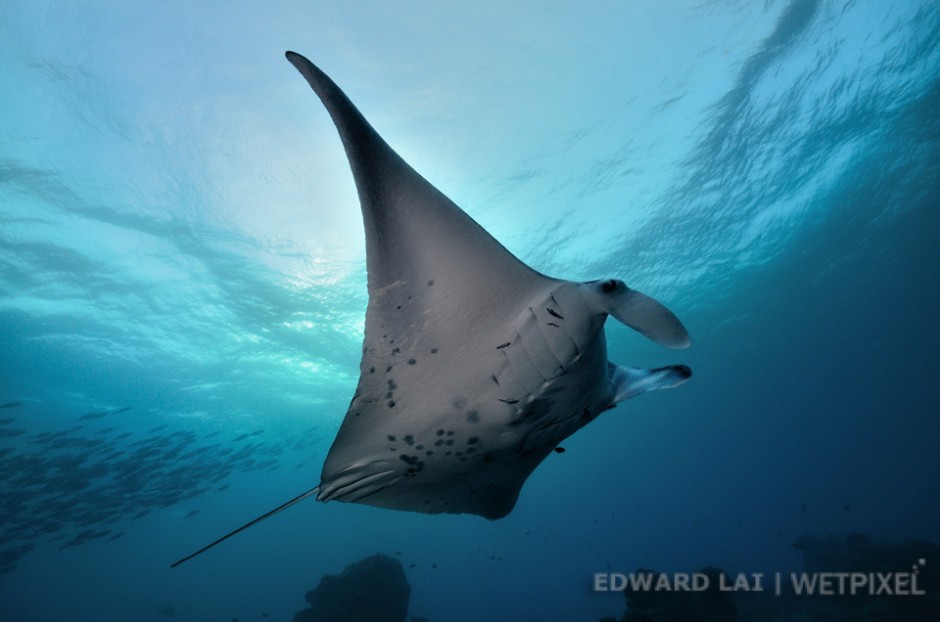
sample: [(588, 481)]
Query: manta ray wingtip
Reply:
[(297, 60)]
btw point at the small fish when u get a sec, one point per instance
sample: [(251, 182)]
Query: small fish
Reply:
[(93, 415)]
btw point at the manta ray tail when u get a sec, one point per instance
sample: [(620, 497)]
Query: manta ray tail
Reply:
[(279, 508)]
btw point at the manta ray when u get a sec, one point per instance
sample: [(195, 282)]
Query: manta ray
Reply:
[(474, 366)]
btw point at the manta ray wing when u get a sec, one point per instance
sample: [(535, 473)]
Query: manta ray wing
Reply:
[(438, 285)]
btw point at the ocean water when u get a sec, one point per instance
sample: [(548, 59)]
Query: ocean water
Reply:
[(182, 289)]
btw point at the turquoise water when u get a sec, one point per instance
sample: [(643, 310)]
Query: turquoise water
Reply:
[(182, 288)]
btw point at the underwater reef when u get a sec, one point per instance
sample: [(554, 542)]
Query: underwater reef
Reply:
[(708, 605), (889, 594), (901, 584), (373, 589)]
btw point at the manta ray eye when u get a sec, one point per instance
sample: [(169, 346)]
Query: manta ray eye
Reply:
[(609, 286)]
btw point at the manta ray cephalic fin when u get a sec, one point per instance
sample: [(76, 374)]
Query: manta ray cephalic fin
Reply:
[(631, 381)]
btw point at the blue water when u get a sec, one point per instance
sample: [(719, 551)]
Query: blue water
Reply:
[(182, 288)]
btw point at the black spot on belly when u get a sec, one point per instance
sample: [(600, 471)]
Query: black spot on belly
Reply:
[(450, 432), (391, 403), (412, 361), (396, 350), (473, 416), (449, 441), (415, 463), (554, 313), (440, 432), (473, 440), (419, 447), (372, 370), (388, 369), (438, 442), (409, 439), (431, 283), (433, 350), (391, 437)]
